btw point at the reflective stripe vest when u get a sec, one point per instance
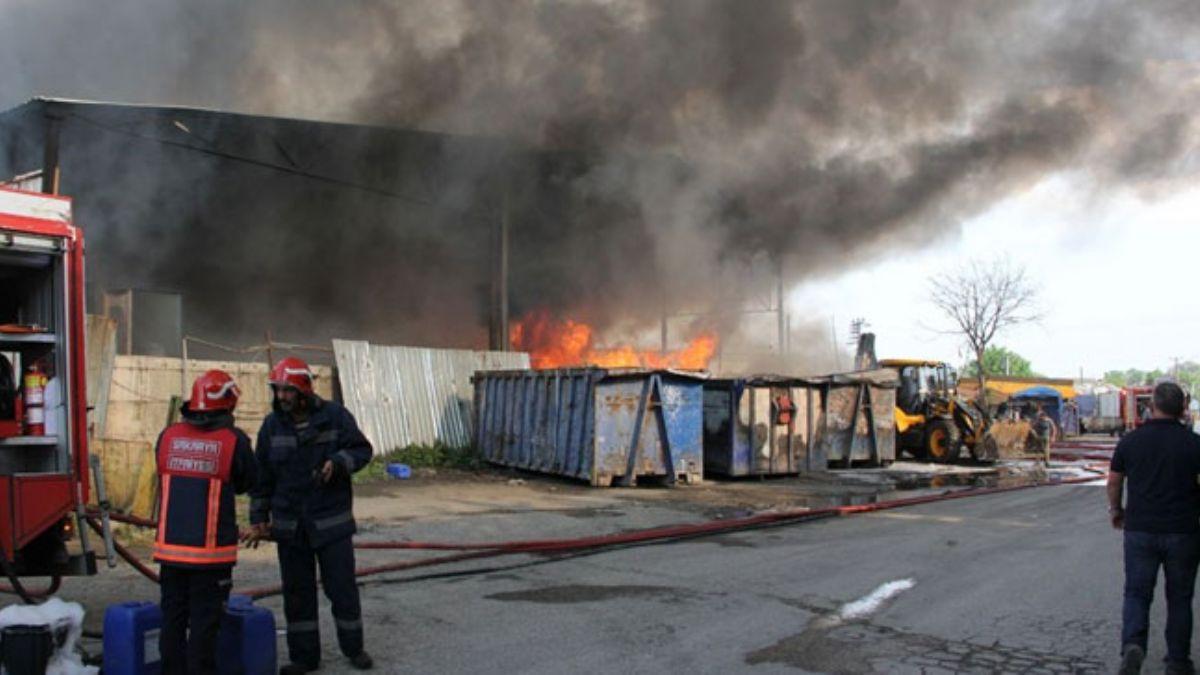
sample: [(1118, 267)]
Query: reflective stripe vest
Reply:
[(196, 522)]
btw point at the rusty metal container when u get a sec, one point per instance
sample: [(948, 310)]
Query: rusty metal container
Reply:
[(759, 426), (605, 426), (855, 418)]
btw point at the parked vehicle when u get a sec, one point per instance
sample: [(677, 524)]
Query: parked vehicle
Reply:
[(1105, 415), (1138, 404), (932, 421), (43, 414)]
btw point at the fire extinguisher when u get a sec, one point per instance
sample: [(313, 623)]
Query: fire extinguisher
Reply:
[(35, 401)]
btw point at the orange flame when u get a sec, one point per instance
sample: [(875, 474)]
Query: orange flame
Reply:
[(554, 343)]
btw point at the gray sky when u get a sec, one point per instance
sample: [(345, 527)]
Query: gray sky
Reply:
[(1118, 279)]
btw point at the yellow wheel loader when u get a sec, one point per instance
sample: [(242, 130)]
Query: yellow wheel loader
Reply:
[(932, 421)]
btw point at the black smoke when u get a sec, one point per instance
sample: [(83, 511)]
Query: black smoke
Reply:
[(651, 149)]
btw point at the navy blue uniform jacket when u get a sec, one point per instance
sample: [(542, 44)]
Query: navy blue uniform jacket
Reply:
[(289, 493)]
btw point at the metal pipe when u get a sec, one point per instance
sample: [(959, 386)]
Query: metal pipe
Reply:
[(50, 169), (110, 554), (80, 518), (183, 368), (270, 352)]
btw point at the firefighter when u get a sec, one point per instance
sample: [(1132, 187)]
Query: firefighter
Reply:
[(307, 450), (202, 462), (1044, 427)]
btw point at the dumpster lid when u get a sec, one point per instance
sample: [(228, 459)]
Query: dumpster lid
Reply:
[(883, 377), (767, 379), (698, 375), (597, 372)]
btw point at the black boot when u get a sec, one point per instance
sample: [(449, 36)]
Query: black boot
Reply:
[(1131, 660), (362, 661), (298, 669)]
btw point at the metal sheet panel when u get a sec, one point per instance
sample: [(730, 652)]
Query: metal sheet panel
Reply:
[(34, 205), (1109, 404), (101, 355), (141, 388), (403, 396), (592, 424)]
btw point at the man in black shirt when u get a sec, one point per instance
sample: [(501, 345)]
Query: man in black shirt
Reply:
[(1161, 463)]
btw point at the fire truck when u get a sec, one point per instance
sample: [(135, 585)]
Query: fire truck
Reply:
[(43, 396), (1137, 405)]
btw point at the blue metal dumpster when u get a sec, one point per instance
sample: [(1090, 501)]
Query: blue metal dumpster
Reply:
[(605, 426), (758, 426)]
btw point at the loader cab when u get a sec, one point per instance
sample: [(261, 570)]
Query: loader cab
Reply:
[(922, 382)]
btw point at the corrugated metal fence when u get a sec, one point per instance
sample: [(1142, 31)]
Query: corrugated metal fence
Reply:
[(403, 396)]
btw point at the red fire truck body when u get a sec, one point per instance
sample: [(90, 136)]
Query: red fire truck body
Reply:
[(1138, 402), (43, 406)]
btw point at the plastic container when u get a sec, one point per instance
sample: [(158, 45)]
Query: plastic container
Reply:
[(246, 643), (26, 649), (131, 639), (399, 471)]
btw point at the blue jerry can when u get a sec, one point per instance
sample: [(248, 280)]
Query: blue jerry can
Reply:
[(131, 639), (246, 645)]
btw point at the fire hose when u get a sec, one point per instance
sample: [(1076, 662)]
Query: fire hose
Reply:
[(1085, 445), (16, 587), (474, 551), (1087, 456)]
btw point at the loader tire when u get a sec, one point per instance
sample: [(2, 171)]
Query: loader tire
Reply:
[(986, 450), (943, 443)]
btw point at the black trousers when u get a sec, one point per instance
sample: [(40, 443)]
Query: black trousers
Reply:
[(298, 566), (193, 601), (1177, 555)]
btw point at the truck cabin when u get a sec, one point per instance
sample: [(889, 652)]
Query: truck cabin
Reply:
[(920, 380)]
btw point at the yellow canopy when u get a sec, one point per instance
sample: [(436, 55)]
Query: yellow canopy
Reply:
[(900, 363), (1007, 386)]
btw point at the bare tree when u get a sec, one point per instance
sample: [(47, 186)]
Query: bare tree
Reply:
[(983, 299)]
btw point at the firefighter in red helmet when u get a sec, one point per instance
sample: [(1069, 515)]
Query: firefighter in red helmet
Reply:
[(307, 450), (202, 462)]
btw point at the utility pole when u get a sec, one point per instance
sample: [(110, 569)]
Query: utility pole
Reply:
[(837, 358), (663, 314), (498, 333), (790, 330), (856, 330), (779, 309), (663, 329)]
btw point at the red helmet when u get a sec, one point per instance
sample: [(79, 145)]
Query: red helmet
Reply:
[(293, 372), (214, 390)]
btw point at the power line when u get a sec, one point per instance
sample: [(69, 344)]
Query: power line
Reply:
[(228, 156)]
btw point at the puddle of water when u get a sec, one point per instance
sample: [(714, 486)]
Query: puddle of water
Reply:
[(845, 499), (915, 485), (946, 480)]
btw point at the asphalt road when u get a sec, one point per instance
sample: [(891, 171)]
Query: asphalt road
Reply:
[(1027, 581)]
